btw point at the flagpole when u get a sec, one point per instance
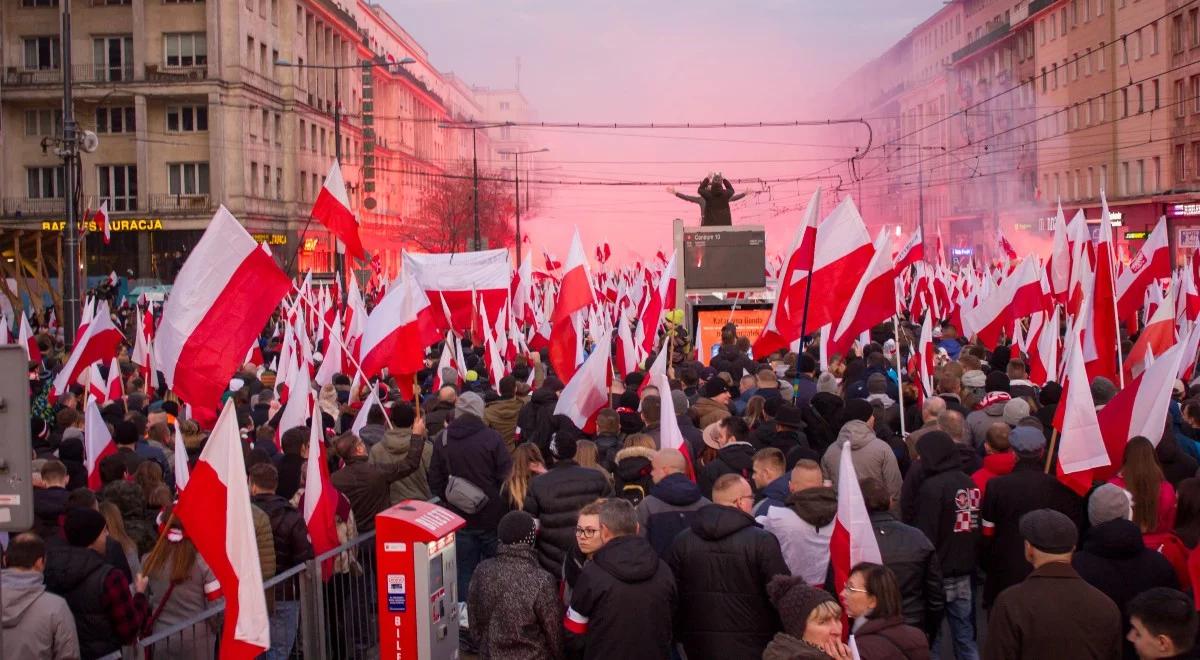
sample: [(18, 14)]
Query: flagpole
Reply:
[(1050, 447), (899, 372), (345, 350)]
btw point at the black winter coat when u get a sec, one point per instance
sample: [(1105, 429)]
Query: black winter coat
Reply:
[(624, 603), (534, 420), (49, 506), (288, 529), (555, 498), (732, 361), (734, 458), (723, 564), (1007, 498), (77, 574), (476, 453), (438, 417), (632, 476), (947, 505), (911, 557), (368, 487)]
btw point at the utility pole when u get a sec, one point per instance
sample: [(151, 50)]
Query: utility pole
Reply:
[(339, 251), (475, 181), (69, 272), (517, 177)]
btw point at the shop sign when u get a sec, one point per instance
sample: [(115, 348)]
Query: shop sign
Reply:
[(121, 224), (271, 239), (962, 251), (1184, 210), (1136, 235), (1189, 237), (310, 244)]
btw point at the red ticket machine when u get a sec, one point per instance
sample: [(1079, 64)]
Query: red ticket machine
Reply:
[(417, 582)]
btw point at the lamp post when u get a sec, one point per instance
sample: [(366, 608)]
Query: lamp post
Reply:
[(339, 258), (517, 178), (920, 186), (474, 165)]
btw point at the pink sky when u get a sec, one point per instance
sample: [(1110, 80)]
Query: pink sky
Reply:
[(701, 61)]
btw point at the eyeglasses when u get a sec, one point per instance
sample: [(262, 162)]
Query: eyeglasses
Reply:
[(586, 532), (855, 589)]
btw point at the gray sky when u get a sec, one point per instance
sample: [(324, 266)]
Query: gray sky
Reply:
[(663, 61)]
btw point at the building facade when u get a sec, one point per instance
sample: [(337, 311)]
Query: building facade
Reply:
[(200, 103)]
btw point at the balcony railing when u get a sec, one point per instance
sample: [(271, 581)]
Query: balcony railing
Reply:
[(163, 203), (1038, 5), (982, 42), (25, 207), (101, 74)]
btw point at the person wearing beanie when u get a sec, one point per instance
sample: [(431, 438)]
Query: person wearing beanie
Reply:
[(108, 612), (873, 458), (513, 604), (713, 404), (1032, 619), (1007, 499), (556, 496), (812, 621), (990, 408), (1113, 556)]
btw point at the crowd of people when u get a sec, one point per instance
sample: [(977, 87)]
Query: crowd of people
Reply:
[(607, 544)]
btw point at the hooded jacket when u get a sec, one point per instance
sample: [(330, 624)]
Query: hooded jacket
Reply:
[(911, 556), (723, 564), (947, 505), (440, 414), (872, 457), (372, 434), (994, 465), (37, 623), (49, 505), (392, 449), (733, 458), (78, 574), (891, 639), (534, 419), (514, 608), (669, 509), (501, 416), (624, 602), (555, 498), (773, 494), (476, 453), (632, 476), (803, 529), (979, 421)]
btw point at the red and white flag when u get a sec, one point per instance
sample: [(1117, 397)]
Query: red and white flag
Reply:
[(331, 363), (586, 393), (1020, 294), (1058, 268), (398, 330), (332, 209), (574, 294), (1152, 264), (1155, 339), (1007, 248), (670, 437), (784, 325), (98, 343), (114, 389), (628, 355), (222, 298), (101, 220), (360, 420), (1081, 442), (873, 299), (320, 498), (461, 279), (97, 442), (26, 339), (853, 539), (215, 511), (1139, 410), (181, 458), (912, 252)]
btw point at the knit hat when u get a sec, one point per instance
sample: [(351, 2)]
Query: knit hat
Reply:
[(1026, 440), (827, 383), (1103, 390), (517, 527), (857, 409), (469, 403), (1049, 531), (795, 600), (83, 526), (715, 387), (124, 433), (1050, 394), (996, 381), (1015, 410), (1109, 502), (974, 378)]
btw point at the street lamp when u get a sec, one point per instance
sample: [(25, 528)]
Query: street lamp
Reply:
[(338, 255), (475, 165), (517, 177)]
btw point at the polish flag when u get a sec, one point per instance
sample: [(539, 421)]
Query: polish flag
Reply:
[(873, 299), (1139, 409), (1059, 266), (924, 356), (1043, 349), (101, 220), (320, 499), (853, 539), (100, 342), (216, 514), (1152, 264), (1155, 339), (360, 420), (912, 252), (398, 330), (296, 410), (142, 356), (114, 390), (1081, 441), (574, 294), (1020, 292), (627, 352), (784, 325), (446, 361), (522, 294), (331, 365), (1100, 339), (97, 442), (670, 436), (95, 384), (462, 279), (587, 392), (1188, 364), (332, 209), (181, 458), (26, 339), (222, 298)]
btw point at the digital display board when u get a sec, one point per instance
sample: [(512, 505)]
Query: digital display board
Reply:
[(724, 258)]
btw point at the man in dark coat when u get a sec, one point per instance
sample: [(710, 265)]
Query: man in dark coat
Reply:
[(534, 420), (442, 410), (1011, 496), (470, 450), (625, 598), (913, 559), (292, 547), (672, 503), (1054, 613), (366, 486), (723, 564), (735, 455), (556, 497), (50, 502)]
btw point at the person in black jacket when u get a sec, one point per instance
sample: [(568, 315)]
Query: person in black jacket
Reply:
[(624, 601), (723, 564), (534, 420), (50, 502), (292, 461), (947, 511), (1113, 557), (468, 449), (734, 456), (556, 497), (292, 547), (912, 558)]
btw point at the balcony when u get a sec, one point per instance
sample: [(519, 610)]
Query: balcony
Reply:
[(80, 73), (28, 208), (996, 34), (182, 204), (1038, 5), (156, 73)]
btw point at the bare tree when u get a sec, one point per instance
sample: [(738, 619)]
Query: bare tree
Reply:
[(446, 219)]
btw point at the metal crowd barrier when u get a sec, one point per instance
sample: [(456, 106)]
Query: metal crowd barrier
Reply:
[(335, 619)]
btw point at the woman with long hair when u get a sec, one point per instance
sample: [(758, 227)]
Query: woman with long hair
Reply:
[(527, 463), (873, 602), (754, 412), (1152, 495), (148, 476), (116, 531), (179, 580), (587, 455)]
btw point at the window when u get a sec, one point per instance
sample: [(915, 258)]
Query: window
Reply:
[(1103, 108), (1196, 159), (1074, 13), (1157, 180), (1154, 38), (115, 120), (303, 136), (279, 183), (187, 178), (251, 124), (1044, 81), (1124, 101), (324, 142), (1140, 182), (312, 143), (1103, 178), (44, 182), (112, 58), (1100, 61), (266, 188), (254, 179), (1137, 45), (1177, 40), (1090, 176), (504, 105), (43, 122), (181, 2), (1141, 99), (41, 53), (1125, 178), (185, 49), (39, 3), (278, 129), (1194, 21), (117, 184), (1100, 7), (1042, 31), (266, 126), (1180, 163), (1062, 22), (304, 185), (1087, 62), (187, 118), (249, 50), (274, 12), (1157, 94), (1180, 99), (262, 58), (1123, 52)]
